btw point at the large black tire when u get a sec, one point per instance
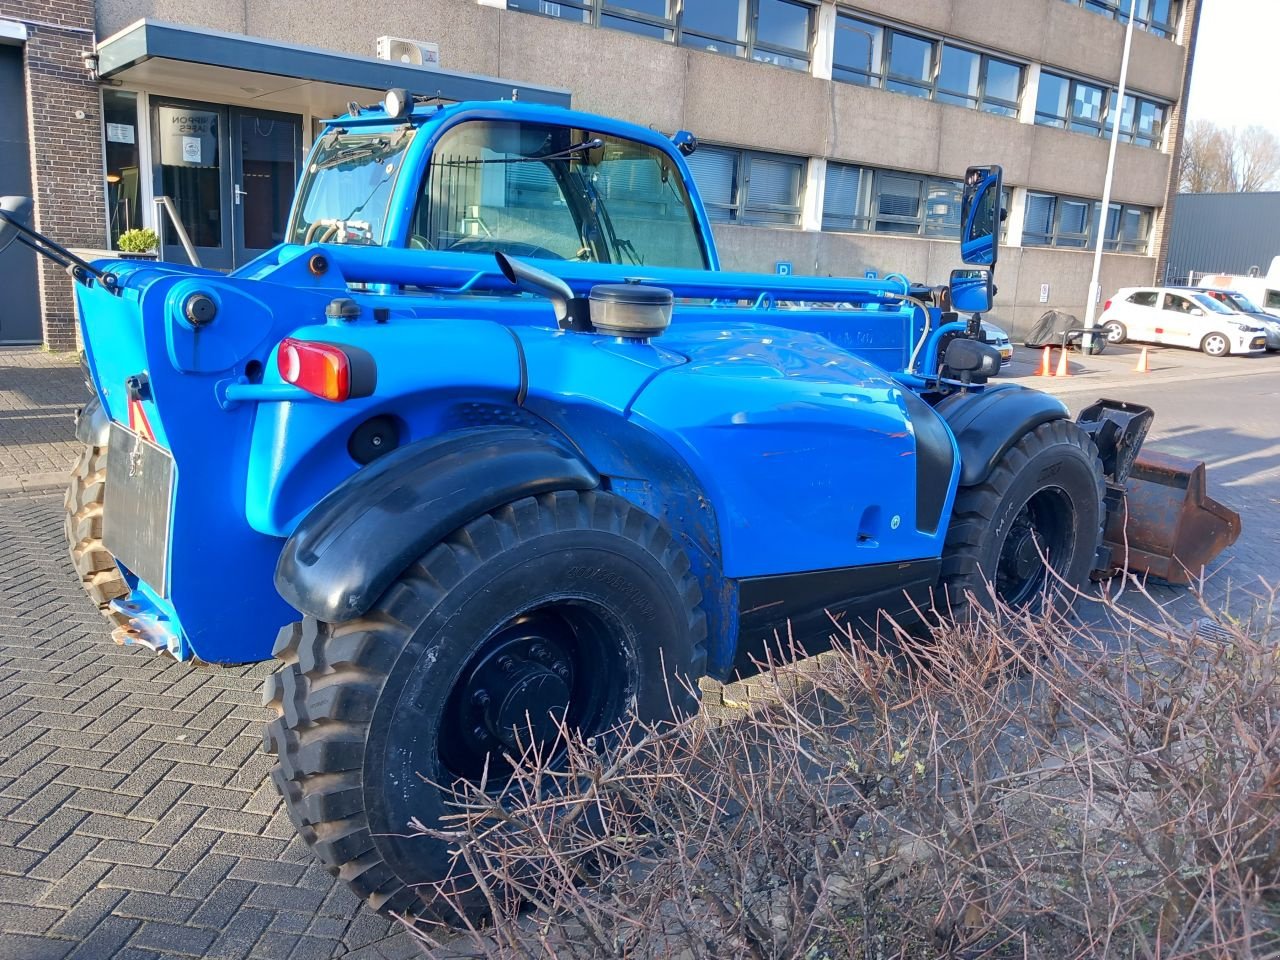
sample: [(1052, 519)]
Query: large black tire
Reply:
[(370, 710), (82, 525), (1044, 495)]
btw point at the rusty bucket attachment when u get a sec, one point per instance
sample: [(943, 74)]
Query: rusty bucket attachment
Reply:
[(1165, 524), (1160, 520)]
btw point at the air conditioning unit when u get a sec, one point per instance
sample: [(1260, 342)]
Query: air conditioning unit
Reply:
[(416, 52)]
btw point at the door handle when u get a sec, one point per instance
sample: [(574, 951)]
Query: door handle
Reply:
[(239, 193)]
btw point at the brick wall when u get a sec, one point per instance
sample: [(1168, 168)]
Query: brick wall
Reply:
[(66, 152)]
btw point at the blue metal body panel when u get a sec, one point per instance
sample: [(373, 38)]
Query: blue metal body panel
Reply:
[(771, 440)]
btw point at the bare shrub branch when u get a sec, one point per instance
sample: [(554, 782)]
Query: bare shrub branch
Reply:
[(1012, 785)]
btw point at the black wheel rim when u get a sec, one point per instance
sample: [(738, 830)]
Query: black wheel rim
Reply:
[(1043, 532), (563, 661)]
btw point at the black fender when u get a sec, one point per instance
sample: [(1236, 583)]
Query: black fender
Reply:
[(353, 544), (92, 424), (987, 424)]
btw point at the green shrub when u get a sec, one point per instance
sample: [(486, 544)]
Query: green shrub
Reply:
[(138, 240)]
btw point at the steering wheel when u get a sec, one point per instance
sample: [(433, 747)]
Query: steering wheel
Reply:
[(515, 248)]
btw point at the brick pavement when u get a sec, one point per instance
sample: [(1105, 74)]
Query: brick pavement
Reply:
[(39, 394), (135, 818), (135, 821)]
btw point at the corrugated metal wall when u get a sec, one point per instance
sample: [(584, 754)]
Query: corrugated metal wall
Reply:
[(1223, 233)]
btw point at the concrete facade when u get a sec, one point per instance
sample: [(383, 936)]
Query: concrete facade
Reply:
[(734, 102)]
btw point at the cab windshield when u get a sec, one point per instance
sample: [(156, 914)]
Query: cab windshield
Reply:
[(346, 190), (556, 193)]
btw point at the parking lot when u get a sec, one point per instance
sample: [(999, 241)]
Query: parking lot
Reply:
[(135, 820)]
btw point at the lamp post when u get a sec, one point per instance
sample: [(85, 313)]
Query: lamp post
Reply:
[(1095, 292)]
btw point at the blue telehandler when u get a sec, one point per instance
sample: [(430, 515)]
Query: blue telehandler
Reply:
[(490, 444)]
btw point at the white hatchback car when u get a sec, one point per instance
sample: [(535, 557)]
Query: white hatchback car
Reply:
[(1179, 317)]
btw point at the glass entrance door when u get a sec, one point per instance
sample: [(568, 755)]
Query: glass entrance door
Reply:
[(190, 169), (230, 173), (266, 154)]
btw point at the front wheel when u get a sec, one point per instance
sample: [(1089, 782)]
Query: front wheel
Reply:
[(573, 607), (1032, 528), (82, 525), (1216, 345)]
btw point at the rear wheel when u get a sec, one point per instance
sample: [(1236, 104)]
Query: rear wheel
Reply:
[(1216, 345), (1114, 331), (94, 564), (573, 606), (1033, 528)]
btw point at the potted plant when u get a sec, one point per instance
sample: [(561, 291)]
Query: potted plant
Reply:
[(139, 243)]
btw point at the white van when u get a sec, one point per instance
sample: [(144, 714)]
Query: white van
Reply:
[(1264, 291)]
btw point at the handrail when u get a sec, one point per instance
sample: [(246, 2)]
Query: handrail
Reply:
[(166, 206)]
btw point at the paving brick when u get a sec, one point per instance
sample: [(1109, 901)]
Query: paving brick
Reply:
[(22, 947), (16, 862), (274, 945), (127, 877), (74, 884), (106, 939), (91, 910), (52, 829), (57, 862), (238, 937), (238, 821), (151, 906), (173, 938), (20, 918), (222, 904)]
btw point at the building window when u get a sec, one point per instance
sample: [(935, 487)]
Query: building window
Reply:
[(767, 31), (1053, 221), (1156, 16), (747, 186), (863, 200), (1084, 107), (124, 186), (1142, 122), (578, 10), (874, 56)]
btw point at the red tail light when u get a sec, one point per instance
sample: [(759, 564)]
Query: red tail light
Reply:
[(326, 370), (1106, 306)]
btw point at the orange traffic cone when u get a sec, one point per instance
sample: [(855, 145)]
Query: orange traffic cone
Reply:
[(1063, 370), (1142, 366), (1046, 369)]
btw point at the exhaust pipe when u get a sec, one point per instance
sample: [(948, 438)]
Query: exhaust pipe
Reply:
[(572, 312)]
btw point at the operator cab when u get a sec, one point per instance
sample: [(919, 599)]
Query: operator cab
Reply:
[(532, 182)]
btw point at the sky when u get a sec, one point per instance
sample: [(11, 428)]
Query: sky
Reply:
[(1236, 78)]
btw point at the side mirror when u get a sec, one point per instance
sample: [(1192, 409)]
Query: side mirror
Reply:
[(980, 215), (971, 291), (13, 210)]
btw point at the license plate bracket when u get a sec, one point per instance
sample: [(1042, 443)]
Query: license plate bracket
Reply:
[(138, 506)]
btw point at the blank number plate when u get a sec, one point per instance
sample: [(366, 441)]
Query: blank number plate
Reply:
[(137, 507)]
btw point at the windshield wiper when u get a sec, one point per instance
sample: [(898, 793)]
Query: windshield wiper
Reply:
[(377, 150), (567, 153)]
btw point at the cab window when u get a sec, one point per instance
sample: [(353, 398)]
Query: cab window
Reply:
[(555, 193), (1143, 298), (1272, 299)]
